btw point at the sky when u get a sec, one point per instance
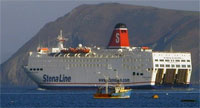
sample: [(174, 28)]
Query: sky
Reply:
[(20, 20)]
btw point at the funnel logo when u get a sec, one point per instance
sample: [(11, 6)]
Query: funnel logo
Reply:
[(117, 38)]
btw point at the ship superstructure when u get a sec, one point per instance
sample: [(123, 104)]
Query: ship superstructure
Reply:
[(86, 66)]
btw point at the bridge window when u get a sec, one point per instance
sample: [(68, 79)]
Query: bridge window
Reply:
[(173, 65), (177, 65), (167, 60), (188, 60), (188, 65), (156, 65), (177, 60), (156, 59)]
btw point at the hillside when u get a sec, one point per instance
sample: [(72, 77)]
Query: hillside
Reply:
[(93, 25)]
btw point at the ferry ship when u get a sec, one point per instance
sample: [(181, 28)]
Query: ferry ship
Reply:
[(137, 67)]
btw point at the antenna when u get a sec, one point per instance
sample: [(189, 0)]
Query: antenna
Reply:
[(48, 41), (117, 76), (61, 40), (106, 81), (39, 46), (171, 49), (61, 33)]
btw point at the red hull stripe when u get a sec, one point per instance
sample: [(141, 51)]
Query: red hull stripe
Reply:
[(100, 83)]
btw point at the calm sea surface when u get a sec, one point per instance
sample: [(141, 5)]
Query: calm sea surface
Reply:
[(27, 97)]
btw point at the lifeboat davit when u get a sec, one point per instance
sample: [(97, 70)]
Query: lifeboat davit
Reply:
[(64, 51)]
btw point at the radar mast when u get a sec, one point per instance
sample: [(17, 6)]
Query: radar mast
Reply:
[(61, 40)]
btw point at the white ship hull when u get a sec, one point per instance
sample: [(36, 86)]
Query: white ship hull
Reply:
[(134, 69), (87, 67)]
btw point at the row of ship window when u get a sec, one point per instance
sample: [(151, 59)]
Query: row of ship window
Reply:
[(103, 65), (78, 60), (168, 65), (162, 60), (134, 73), (130, 67), (36, 69), (87, 65), (135, 60), (173, 55), (125, 66), (109, 66), (97, 60)]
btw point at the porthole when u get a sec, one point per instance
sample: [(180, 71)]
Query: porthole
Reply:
[(31, 69), (141, 74), (137, 74), (41, 69), (134, 73)]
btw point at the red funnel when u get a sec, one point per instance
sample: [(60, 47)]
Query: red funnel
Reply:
[(119, 37)]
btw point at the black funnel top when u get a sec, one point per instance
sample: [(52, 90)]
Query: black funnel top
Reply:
[(120, 25)]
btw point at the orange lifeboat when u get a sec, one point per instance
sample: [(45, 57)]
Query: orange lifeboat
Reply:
[(83, 50), (145, 47), (43, 49), (73, 50), (86, 50)]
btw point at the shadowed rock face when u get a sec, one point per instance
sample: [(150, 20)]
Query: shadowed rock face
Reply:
[(93, 25)]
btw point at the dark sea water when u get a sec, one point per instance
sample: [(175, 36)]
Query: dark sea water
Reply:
[(26, 97)]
